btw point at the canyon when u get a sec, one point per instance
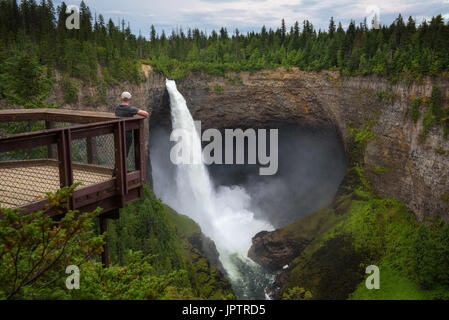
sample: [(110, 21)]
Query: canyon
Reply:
[(413, 171), (398, 161)]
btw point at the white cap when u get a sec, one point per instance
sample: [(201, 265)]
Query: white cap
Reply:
[(126, 95)]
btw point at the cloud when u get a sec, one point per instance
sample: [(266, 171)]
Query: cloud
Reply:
[(129, 13), (118, 12), (252, 14), (266, 12)]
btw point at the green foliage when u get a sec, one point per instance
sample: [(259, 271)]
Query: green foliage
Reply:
[(445, 198), (363, 135), (331, 271), (440, 151), (383, 96), (394, 285), (363, 184), (446, 125), (357, 50), (97, 48), (21, 127), (234, 80), (401, 51), (218, 89), (296, 293), (70, 90), (435, 103), (135, 281), (372, 230), (378, 226), (435, 114), (431, 254), (8, 128), (360, 137), (144, 226), (172, 68), (167, 241), (35, 250), (427, 121), (414, 109), (380, 169), (23, 81)]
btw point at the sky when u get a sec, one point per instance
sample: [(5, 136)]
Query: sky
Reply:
[(248, 15)]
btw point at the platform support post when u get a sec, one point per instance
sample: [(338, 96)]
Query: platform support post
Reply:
[(105, 253)]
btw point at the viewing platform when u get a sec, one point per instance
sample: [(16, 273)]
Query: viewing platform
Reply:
[(42, 150)]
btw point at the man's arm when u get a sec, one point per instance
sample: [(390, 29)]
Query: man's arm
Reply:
[(143, 113)]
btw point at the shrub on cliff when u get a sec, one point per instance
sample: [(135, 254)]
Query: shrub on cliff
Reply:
[(435, 114), (296, 293), (414, 109), (431, 254), (332, 271), (23, 81), (70, 90)]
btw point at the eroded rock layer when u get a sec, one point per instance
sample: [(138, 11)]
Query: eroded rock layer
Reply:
[(396, 161), (413, 170)]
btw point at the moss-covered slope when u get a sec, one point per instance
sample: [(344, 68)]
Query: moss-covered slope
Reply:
[(360, 229), (170, 239)]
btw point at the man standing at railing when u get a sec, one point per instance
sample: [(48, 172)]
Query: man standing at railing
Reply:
[(125, 110)]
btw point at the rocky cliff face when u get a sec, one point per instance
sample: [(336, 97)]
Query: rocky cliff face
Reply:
[(207, 246), (413, 171), (398, 162)]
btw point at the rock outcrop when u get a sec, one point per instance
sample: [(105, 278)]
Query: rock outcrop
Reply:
[(272, 250), (207, 246)]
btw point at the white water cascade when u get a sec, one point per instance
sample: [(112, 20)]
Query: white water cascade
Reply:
[(222, 213)]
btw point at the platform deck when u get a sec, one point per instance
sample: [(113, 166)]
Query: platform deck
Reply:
[(23, 182)]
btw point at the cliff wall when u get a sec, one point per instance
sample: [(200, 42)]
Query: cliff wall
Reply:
[(413, 170)]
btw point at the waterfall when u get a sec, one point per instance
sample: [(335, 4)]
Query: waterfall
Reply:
[(222, 212)]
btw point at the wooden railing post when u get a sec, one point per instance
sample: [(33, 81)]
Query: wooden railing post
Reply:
[(125, 159), (120, 165), (52, 154), (139, 151), (91, 147), (65, 160)]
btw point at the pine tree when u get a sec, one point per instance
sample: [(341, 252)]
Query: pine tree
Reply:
[(283, 31), (331, 27), (399, 50)]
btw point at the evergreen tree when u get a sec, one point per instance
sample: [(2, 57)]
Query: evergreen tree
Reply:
[(331, 27), (283, 31), (407, 50)]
